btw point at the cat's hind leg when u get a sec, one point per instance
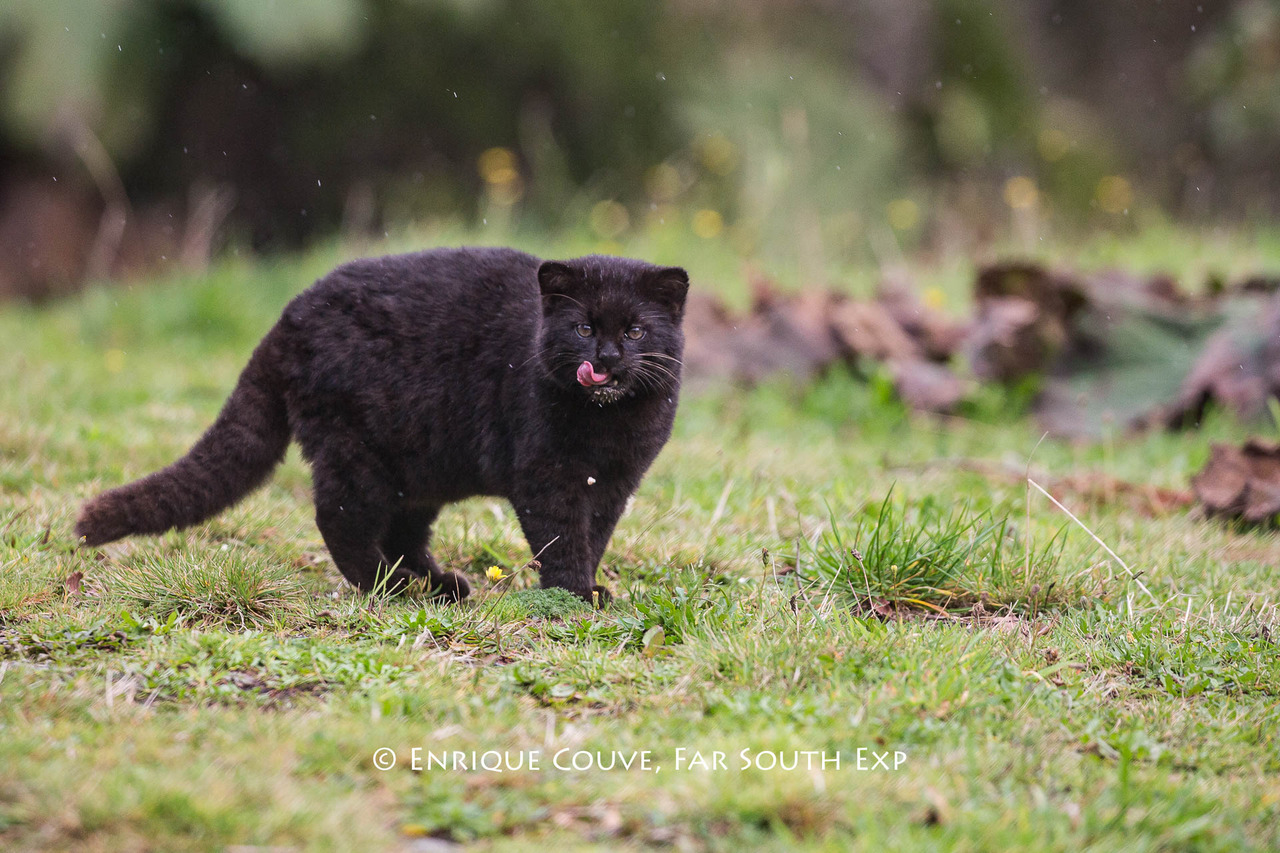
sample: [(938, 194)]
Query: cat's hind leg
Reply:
[(405, 540), (353, 503)]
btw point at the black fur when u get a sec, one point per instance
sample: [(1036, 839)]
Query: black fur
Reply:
[(412, 381)]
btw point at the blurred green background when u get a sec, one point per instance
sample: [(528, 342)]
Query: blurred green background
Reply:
[(805, 134)]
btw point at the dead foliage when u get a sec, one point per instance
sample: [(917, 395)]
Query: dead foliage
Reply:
[(1111, 349), (1239, 367), (1002, 621), (1024, 319), (807, 333), (1241, 482), (1101, 489), (1093, 488)]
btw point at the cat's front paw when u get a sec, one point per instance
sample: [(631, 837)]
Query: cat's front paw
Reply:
[(450, 586), (599, 596)]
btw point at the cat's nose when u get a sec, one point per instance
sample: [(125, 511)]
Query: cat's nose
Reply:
[(608, 355)]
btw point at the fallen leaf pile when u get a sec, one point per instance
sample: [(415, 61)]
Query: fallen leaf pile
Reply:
[(806, 334), (1111, 350)]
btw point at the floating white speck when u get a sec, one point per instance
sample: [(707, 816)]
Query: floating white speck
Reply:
[(591, 481)]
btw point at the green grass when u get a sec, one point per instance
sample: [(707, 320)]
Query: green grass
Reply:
[(804, 569), (937, 558)]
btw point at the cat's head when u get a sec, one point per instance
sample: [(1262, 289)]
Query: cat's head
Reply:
[(611, 326)]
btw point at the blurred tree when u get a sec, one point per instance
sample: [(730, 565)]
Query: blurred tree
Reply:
[(802, 129), (293, 105)]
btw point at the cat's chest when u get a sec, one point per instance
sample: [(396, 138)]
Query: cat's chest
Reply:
[(597, 454), (602, 449)]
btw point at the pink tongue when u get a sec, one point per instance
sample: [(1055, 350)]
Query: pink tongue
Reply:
[(587, 375)]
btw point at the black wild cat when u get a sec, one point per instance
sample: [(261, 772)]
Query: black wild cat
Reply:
[(416, 380)]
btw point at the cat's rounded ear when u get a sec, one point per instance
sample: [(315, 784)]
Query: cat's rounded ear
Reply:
[(668, 287), (556, 278)]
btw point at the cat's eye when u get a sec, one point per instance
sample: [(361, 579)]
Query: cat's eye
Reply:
[(584, 330), (635, 333)]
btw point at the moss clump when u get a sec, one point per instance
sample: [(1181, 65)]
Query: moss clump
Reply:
[(551, 603)]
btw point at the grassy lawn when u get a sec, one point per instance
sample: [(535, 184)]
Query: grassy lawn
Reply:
[(805, 570)]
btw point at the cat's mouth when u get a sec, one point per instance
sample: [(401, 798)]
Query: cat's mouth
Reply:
[(602, 386), (589, 378)]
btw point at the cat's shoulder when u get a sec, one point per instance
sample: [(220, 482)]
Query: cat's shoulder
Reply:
[(460, 264), (431, 274)]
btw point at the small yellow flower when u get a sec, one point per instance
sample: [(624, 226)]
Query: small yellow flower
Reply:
[(494, 573)]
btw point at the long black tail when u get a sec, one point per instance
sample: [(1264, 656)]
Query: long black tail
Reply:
[(231, 459)]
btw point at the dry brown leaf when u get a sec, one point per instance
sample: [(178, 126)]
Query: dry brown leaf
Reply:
[(1241, 482), (868, 330), (927, 386)]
